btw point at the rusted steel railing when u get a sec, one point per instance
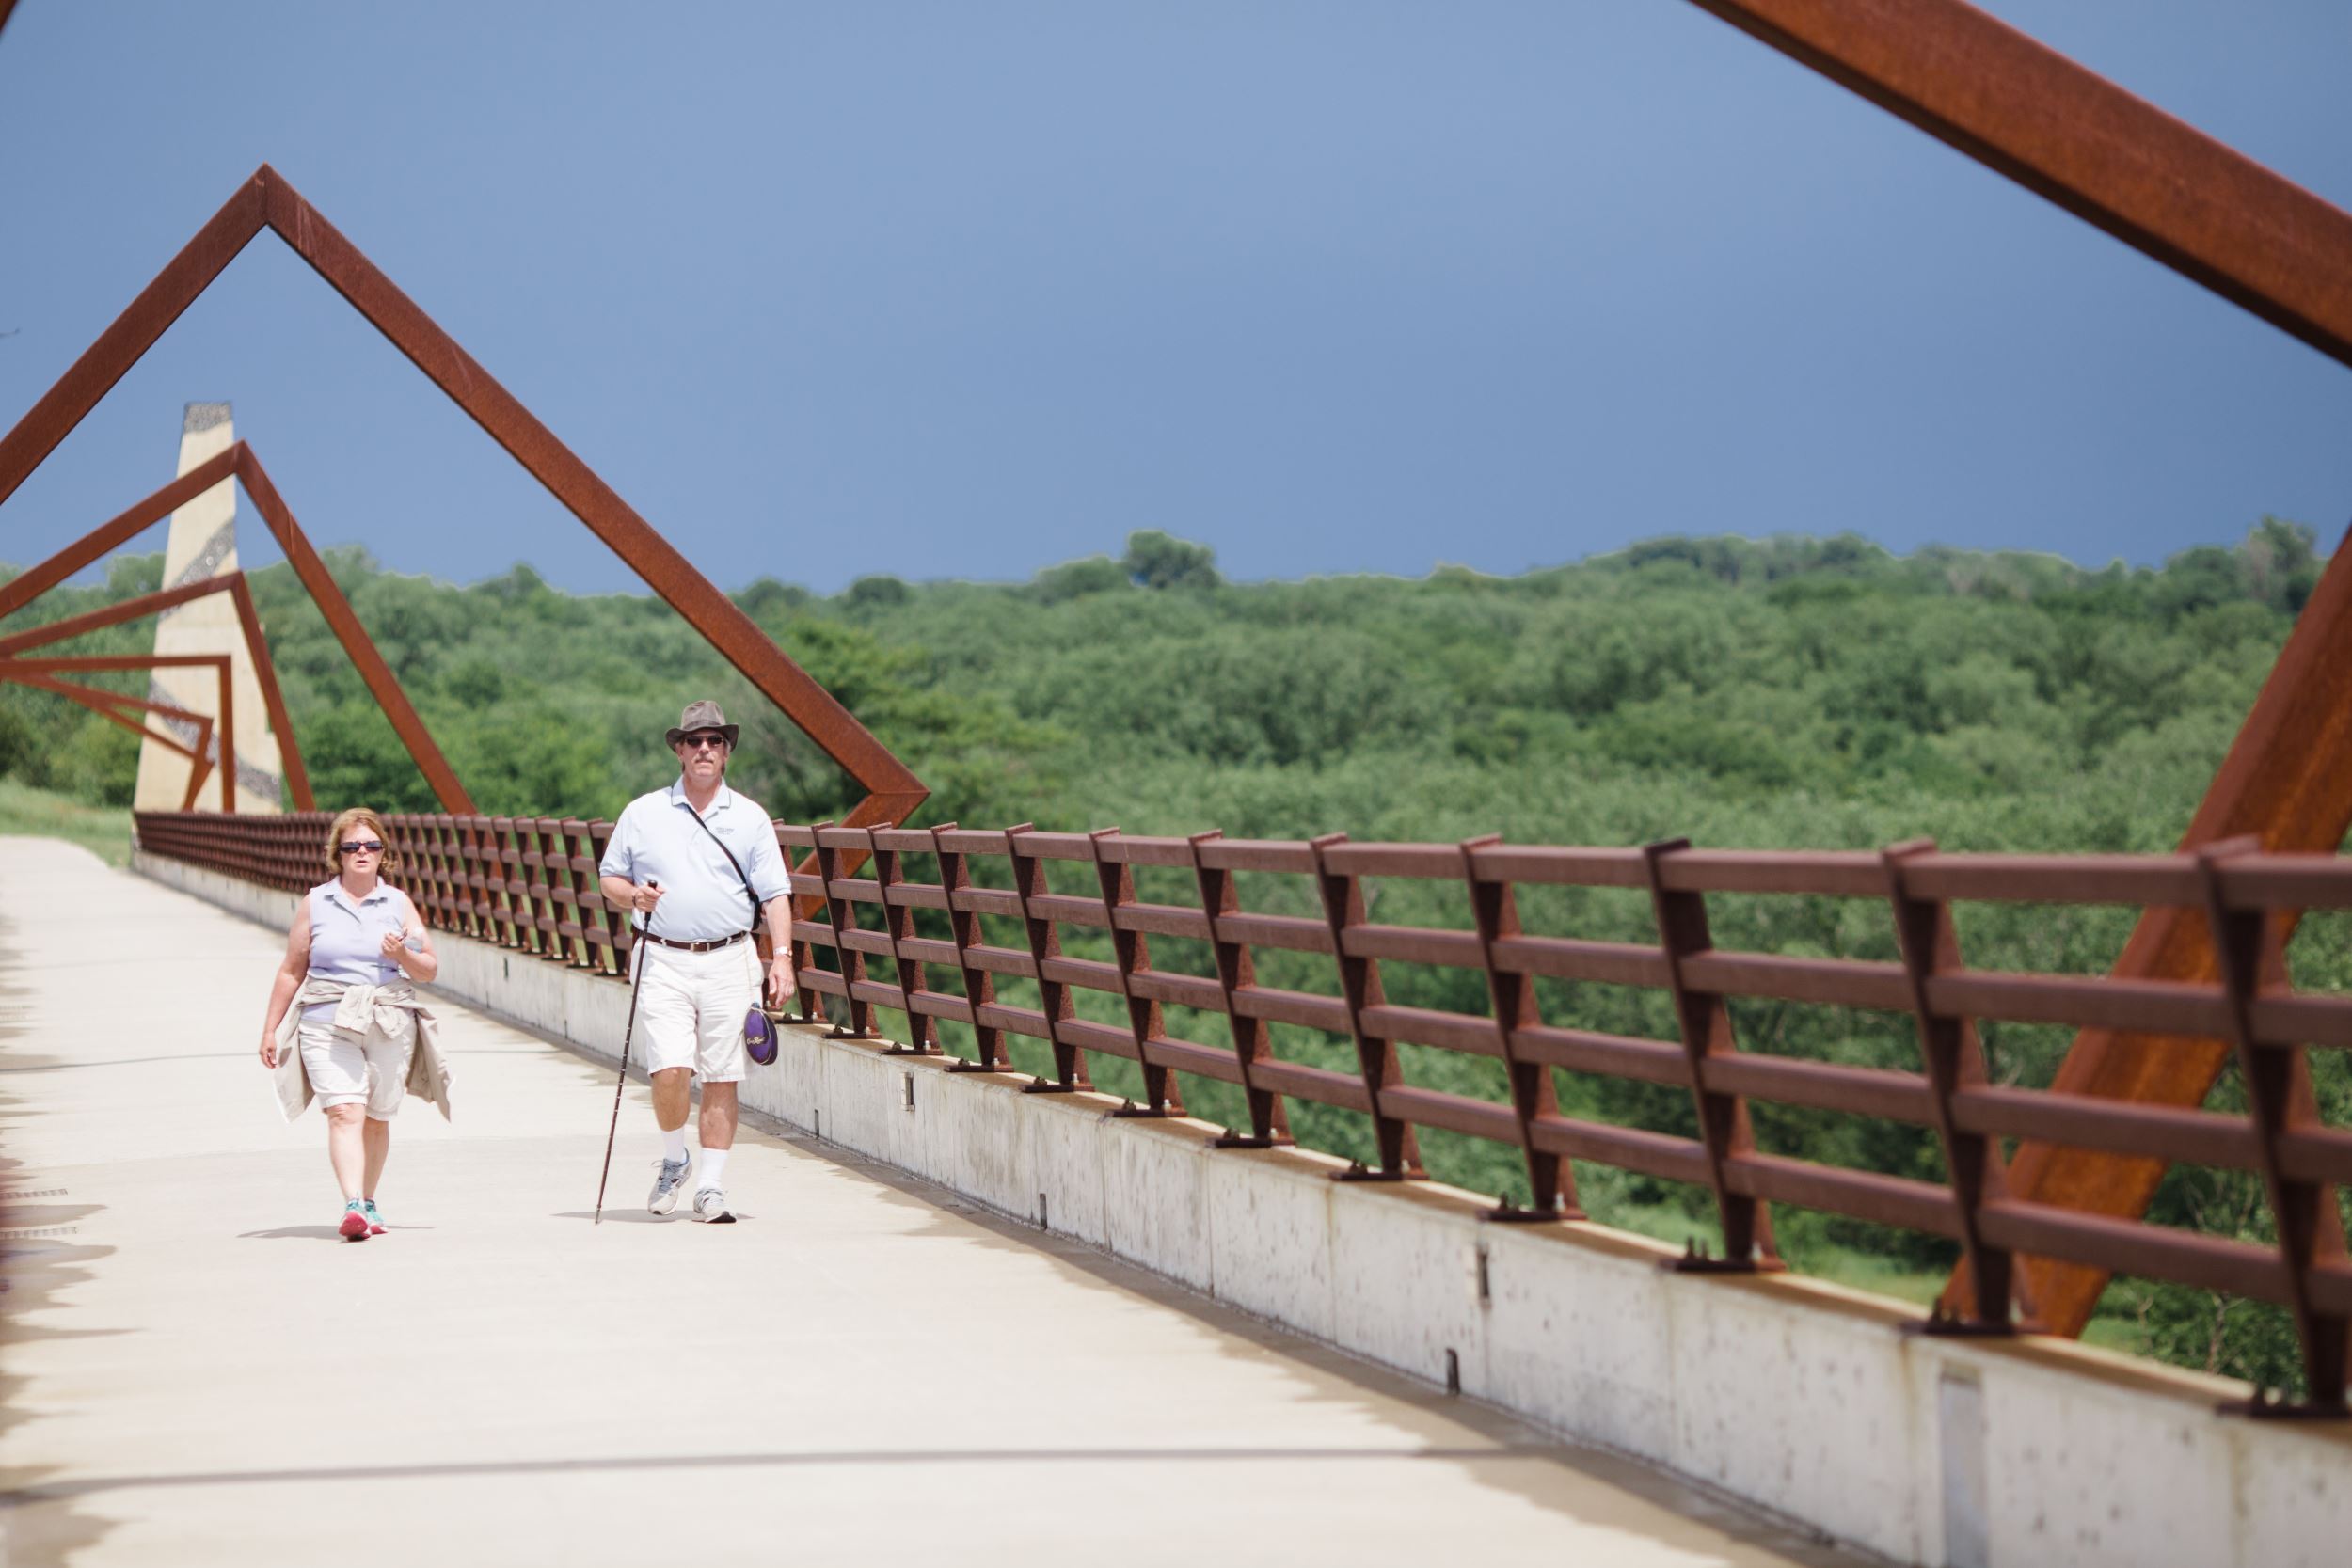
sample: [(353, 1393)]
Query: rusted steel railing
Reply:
[(529, 883)]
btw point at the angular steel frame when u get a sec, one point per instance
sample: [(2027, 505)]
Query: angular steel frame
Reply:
[(267, 201), (265, 672), (241, 463), (108, 705)]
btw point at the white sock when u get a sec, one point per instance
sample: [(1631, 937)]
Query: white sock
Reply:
[(673, 1144), (714, 1167)]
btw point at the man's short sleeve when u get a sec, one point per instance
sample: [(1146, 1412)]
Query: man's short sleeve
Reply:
[(764, 870), (620, 850)]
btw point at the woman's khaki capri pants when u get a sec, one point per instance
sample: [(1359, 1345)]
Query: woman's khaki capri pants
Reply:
[(348, 1070)]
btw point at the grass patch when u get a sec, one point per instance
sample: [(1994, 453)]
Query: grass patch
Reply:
[(106, 830)]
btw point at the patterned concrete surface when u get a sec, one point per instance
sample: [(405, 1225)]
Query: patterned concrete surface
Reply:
[(193, 1369)]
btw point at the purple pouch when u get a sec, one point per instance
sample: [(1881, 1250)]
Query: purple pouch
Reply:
[(759, 1036)]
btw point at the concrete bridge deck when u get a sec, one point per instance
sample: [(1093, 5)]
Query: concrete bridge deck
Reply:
[(866, 1369)]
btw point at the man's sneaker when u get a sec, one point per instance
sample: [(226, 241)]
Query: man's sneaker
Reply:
[(354, 1226), (710, 1207), (672, 1177), (375, 1221)]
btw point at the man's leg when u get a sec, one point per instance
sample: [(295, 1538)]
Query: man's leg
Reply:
[(717, 1125), (669, 1097)]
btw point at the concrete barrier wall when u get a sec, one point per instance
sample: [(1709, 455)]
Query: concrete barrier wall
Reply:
[(1823, 1405)]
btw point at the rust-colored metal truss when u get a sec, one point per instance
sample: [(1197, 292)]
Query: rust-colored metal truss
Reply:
[(109, 705), (267, 201), (241, 463), (265, 672), (2264, 244)]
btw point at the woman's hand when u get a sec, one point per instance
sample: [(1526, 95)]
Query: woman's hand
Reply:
[(269, 1051), (396, 944)]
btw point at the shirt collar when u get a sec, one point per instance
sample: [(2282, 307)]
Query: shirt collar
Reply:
[(718, 801), (336, 895)]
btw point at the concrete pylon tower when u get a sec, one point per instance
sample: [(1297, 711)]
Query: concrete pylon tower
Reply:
[(203, 544)]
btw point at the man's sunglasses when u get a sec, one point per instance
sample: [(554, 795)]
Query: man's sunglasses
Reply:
[(696, 742), (353, 846)]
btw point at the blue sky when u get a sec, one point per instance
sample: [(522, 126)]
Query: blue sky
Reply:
[(963, 291)]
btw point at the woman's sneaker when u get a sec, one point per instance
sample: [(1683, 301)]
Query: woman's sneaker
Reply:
[(375, 1221), (354, 1226), (710, 1207), (670, 1177)]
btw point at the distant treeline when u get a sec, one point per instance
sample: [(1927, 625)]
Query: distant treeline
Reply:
[(1782, 692)]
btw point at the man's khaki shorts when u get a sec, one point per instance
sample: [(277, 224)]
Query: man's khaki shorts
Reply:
[(690, 1007)]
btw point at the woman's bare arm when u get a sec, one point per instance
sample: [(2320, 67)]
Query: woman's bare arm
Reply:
[(287, 981), (421, 964)]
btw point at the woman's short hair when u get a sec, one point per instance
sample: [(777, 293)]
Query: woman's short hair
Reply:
[(359, 816)]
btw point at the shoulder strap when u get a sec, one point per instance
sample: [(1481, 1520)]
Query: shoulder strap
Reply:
[(731, 861)]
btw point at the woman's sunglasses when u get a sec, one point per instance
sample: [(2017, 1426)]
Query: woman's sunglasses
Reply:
[(353, 845)]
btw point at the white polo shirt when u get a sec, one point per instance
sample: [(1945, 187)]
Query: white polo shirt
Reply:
[(702, 899)]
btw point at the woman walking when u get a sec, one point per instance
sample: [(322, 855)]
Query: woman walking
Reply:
[(344, 1022)]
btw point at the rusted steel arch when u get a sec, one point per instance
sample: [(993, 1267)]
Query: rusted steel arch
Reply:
[(2261, 241), (265, 672), (267, 201), (242, 463), (109, 705)]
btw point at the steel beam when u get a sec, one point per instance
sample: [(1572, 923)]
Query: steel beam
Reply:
[(266, 200), (2065, 133)]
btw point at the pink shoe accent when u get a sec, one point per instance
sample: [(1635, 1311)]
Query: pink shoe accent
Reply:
[(354, 1226)]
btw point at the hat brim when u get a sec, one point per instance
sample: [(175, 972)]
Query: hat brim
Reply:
[(730, 731)]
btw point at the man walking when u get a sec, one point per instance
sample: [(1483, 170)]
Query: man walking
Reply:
[(706, 859)]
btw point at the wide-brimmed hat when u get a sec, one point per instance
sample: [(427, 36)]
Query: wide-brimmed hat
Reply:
[(704, 715)]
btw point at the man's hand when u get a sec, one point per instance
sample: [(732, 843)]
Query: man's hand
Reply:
[(644, 896), (779, 979)]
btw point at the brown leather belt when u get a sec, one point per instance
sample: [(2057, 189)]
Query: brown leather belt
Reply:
[(694, 946)]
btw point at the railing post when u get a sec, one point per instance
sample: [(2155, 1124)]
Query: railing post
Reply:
[(839, 915), (612, 921), (1028, 883), (979, 986), (1953, 1059), (1704, 1023), (1512, 996), (2279, 1098), (899, 925), (1359, 988), (1134, 957), (1269, 1125)]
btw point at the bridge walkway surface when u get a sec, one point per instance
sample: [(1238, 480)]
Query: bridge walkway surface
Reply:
[(865, 1369)]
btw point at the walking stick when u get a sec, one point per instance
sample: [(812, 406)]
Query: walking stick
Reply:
[(635, 985)]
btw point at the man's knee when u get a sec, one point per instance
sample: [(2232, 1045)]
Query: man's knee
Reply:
[(345, 1116), (671, 1078)]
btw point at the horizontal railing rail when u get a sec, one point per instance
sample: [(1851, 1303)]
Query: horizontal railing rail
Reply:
[(530, 884)]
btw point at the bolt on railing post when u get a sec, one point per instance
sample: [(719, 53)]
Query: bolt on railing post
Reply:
[(2279, 1099), (1511, 995), (1704, 1023), (1343, 899), (1269, 1125), (1134, 957), (899, 925), (840, 918), (1953, 1059), (979, 986), (1028, 883)]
